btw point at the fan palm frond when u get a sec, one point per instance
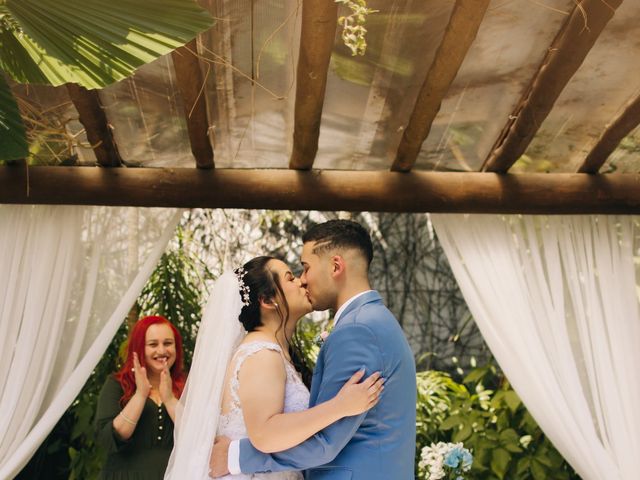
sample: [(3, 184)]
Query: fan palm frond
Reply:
[(91, 42), (13, 142)]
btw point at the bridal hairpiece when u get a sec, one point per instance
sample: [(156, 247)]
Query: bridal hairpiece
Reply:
[(244, 289)]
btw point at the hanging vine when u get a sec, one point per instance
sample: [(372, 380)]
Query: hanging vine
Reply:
[(353, 31)]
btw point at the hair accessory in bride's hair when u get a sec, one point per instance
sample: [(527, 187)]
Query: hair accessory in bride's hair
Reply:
[(244, 289)]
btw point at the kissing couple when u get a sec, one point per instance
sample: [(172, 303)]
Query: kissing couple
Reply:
[(245, 389)]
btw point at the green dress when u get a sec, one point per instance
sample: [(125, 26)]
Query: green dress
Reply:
[(144, 456)]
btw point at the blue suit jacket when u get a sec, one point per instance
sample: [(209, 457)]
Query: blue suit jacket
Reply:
[(376, 445)]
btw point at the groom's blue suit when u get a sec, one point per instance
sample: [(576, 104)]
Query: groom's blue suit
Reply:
[(376, 445)]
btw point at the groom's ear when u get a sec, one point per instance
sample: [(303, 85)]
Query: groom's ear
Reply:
[(337, 265)]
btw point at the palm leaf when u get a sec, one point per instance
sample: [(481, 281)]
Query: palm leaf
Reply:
[(92, 42), (13, 142)]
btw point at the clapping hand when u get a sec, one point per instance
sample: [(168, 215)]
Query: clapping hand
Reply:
[(143, 386), (166, 386)]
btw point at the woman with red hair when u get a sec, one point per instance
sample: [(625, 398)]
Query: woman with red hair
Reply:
[(136, 408)]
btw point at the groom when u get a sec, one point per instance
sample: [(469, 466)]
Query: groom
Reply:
[(378, 444)]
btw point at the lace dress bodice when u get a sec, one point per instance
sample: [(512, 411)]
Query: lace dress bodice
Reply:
[(231, 424)]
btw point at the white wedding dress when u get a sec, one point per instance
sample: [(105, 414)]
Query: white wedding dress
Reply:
[(231, 424), (204, 410)]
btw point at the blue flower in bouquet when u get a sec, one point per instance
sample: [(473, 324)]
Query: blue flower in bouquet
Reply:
[(467, 459), (458, 456), (453, 457)]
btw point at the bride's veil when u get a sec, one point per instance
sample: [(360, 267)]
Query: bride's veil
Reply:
[(198, 410)]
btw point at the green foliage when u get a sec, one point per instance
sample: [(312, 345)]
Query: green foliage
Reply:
[(306, 339), (13, 141), (505, 440), (90, 42), (435, 393), (176, 290)]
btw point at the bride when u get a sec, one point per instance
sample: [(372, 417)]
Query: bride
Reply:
[(243, 382)]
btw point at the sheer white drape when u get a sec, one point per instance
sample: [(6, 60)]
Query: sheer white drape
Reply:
[(556, 300), (68, 277)]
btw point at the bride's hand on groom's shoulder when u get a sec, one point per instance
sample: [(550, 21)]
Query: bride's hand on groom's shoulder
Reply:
[(356, 397), (218, 461)]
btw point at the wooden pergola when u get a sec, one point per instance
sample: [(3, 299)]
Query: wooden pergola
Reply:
[(403, 183)]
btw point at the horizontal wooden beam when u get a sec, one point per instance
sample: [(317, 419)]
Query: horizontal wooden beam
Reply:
[(284, 189), (94, 120), (612, 136), (564, 57), (318, 31), (191, 85), (463, 26)]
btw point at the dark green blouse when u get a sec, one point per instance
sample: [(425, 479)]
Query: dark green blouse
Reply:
[(144, 456)]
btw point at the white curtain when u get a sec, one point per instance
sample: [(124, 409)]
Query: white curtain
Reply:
[(556, 301), (68, 277)]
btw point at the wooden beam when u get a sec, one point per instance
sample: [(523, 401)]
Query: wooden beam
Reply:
[(286, 189), (191, 86), (319, 20), (564, 57), (459, 35), (612, 136), (94, 120)]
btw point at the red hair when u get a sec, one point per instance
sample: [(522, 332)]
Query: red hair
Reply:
[(136, 343)]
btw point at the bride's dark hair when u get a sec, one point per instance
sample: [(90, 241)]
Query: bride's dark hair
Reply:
[(265, 285)]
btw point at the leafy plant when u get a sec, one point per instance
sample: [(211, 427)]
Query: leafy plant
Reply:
[(176, 290), (505, 440), (13, 141), (436, 391), (90, 42)]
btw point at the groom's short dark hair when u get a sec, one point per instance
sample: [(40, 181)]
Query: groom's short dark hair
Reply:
[(340, 234)]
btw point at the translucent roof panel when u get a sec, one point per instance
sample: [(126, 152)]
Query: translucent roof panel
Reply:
[(148, 118), (249, 65), (511, 43), (626, 158), (54, 133), (249, 59), (595, 95), (366, 97), (369, 98)]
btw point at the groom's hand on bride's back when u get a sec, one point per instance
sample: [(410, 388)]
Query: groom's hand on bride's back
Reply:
[(218, 463)]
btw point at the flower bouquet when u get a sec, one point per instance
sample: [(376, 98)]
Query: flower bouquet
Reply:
[(444, 461)]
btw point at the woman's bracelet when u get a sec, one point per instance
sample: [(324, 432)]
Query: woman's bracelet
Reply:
[(127, 419)]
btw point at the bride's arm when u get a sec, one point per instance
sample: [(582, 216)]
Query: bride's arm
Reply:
[(262, 389)]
